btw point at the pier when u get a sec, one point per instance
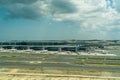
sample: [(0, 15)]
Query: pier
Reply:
[(41, 45)]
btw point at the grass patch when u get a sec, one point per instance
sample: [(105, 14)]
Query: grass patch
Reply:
[(8, 56), (97, 58)]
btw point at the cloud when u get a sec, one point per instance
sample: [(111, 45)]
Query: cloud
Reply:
[(57, 9), (117, 5), (20, 9), (93, 17), (36, 8), (9, 2), (61, 6)]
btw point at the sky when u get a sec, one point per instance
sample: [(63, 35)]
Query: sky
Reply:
[(59, 19)]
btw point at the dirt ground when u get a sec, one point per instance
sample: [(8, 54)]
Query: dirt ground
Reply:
[(57, 67), (14, 74), (16, 77)]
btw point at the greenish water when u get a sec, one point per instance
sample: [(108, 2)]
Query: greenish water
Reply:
[(117, 52)]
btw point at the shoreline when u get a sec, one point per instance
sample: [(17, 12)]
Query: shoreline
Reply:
[(57, 52)]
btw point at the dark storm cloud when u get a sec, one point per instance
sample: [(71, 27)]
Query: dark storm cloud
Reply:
[(22, 11), (33, 9), (7, 2), (62, 6)]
